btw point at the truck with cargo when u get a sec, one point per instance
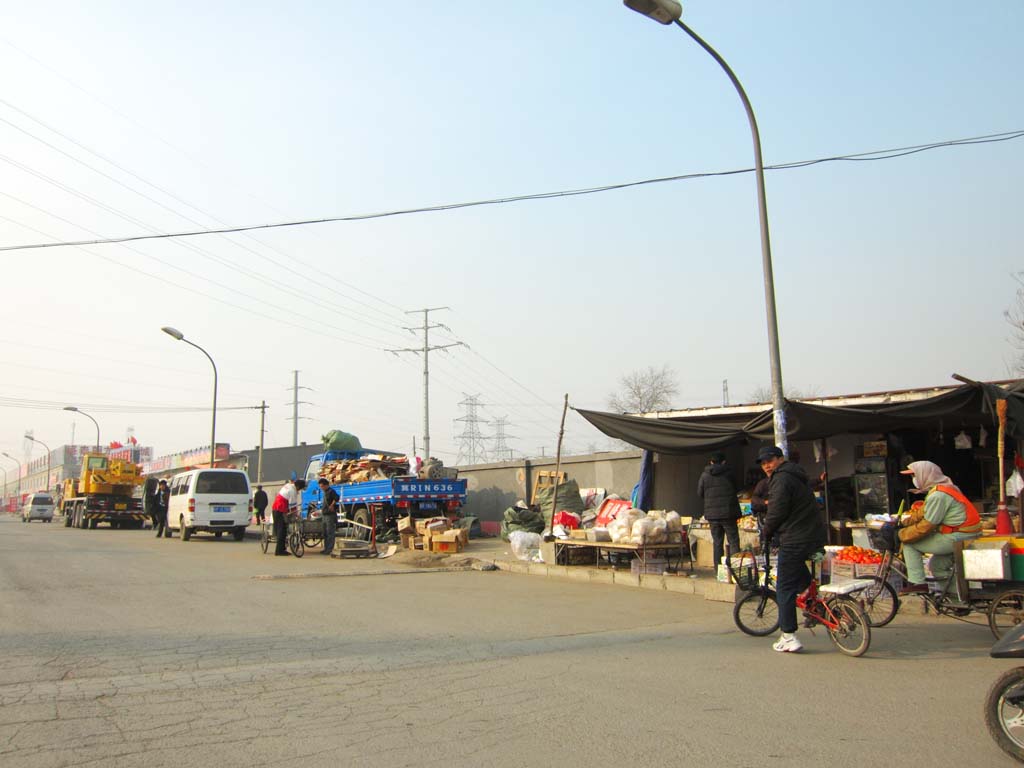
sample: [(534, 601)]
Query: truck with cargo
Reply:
[(387, 493), (104, 493)]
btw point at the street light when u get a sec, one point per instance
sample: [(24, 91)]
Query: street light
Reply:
[(176, 334), (76, 409), (3, 499), (669, 12), (19, 472), (46, 486)]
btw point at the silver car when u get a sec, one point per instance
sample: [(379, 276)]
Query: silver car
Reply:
[(38, 506)]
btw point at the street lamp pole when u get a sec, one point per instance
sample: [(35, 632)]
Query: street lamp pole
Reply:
[(176, 334), (3, 501), (669, 12), (79, 410), (19, 472), (46, 486)]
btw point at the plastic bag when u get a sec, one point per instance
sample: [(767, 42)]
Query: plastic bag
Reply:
[(640, 530), (1014, 484), (568, 520), (673, 521), (336, 440), (525, 545)]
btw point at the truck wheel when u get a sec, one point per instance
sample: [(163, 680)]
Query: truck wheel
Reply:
[(239, 533), (186, 533), (93, 523), (67, 518), (363, 517), (82, 522), (218, 534)]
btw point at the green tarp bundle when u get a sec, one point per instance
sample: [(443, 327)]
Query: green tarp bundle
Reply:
[(568, 499), (521, 519)]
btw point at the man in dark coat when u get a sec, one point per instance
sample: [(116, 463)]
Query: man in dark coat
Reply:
[(721, 507), (259, 503), (161, 501), (793, 515)]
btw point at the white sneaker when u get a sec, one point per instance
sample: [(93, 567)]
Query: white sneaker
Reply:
[(787, 643)]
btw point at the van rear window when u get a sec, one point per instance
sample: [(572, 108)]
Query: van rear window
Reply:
[(221, 482), (41, 501)]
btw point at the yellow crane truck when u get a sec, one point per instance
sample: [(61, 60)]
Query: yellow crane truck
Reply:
[(105, 493)]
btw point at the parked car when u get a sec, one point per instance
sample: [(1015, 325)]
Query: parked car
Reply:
[(38, 506), (213, 500)]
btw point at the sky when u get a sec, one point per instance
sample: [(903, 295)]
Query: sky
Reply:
[(119, 120)]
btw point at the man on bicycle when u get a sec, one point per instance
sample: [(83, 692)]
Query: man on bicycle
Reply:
[(794, 515)]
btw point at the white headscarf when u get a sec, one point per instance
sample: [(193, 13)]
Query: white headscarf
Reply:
[(927, 475)]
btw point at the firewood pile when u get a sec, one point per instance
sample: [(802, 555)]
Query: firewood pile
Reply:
[(370, 467)]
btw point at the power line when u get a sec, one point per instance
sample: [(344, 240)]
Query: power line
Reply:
[(881, 154)]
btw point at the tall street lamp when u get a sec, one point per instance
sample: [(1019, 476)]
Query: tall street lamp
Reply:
[(669, 12), (19, 472), (3, 499), (76, 409), (176, 334), (46, 486)]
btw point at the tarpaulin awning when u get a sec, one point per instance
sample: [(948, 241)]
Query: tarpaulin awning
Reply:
[(971, 404)]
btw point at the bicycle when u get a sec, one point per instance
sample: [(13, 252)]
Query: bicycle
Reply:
[(757, 611)]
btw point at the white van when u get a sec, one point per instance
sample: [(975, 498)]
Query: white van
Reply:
[(214, 500), (38, 506)]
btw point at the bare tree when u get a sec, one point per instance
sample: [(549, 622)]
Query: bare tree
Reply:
[(644, 391), (764, 394), (1015, 317)]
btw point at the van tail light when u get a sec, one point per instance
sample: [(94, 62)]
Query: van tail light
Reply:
[(452, 505), (250, 506), (191, 505), (403, 504)]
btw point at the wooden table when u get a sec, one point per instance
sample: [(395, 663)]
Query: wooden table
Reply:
[(642, 551)]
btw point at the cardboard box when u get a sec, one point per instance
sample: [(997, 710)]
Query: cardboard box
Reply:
[(449, 535), (406, 524), (463, 536), (431, 523), (408, 540), (705, 554), (598, 534), (842, 572), (445, 547), (578, 533)]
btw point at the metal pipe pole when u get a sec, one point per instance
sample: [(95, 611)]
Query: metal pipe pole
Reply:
[(259, 460), (19, 472), (3, 501), (76, 409), (174, 333), (778, 400)]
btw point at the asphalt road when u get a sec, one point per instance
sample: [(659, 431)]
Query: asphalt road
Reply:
[(117, 649)]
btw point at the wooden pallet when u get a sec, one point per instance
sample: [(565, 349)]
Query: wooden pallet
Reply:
[(545, 479)]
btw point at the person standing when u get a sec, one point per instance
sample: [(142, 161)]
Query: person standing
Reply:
[(721, 507), (329, 508), (161, 501), (149, 501), (794, 515), (259, 503), (286, 502)]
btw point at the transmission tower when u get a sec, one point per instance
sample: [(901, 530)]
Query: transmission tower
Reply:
[(501, 450), (295, 403), (472, 445), (426, 349)]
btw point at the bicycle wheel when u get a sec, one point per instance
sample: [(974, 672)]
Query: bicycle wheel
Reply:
[(1006, 612), (265, 539), (1004, 712), (757, 613), (295, 544), (852, 636), (879, 602)]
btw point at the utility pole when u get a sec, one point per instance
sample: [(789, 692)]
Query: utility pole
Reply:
[(725, 391), (295, 407), (425, 350), (259, 455)]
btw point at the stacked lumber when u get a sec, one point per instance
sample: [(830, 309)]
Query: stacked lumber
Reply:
[(373, 466)]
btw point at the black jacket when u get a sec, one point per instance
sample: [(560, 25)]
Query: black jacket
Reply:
[(793, 512), (718, 490), (260, 500)]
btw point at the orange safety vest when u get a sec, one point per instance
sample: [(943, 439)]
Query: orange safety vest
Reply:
[(973, 522)]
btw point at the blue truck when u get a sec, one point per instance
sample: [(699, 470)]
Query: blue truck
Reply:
[(386, 499)]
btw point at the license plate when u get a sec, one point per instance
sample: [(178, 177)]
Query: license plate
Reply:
[(221, 508), (120, 506), (428, 505)]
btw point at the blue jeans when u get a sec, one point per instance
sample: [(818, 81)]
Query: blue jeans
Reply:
[(792, 579)]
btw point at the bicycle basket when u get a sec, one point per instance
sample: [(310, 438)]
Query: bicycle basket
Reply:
[(743, 569), (884, 538)]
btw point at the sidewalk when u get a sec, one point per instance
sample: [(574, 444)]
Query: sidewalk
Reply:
[(701, 582)]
